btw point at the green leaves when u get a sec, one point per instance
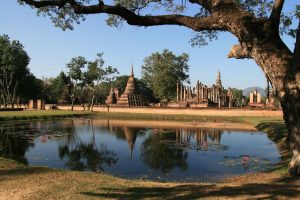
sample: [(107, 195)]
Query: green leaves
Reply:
[(161, 71), (13, 69), (96, 72), (75, 67)]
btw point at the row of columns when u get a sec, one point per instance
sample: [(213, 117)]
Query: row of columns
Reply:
[(199, 93)]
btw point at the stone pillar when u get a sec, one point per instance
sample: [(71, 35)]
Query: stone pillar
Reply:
[(258, 98), (251, 97), (31, 104), (40, 104)]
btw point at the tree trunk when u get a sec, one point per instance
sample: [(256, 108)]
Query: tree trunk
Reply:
[(72, 105), (291, 108), (276, 61), (92, 103)]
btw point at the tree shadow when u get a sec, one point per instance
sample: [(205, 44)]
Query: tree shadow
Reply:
[(287, 187), (27, 171)]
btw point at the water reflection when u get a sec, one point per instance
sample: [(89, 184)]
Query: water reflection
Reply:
[(152, 150), (159, 155), (86, 156), (13, 144)]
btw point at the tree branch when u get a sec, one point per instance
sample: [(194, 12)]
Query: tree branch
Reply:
[(197, 24), (204, 3), (276, 12), (297, 46), (238, 52)]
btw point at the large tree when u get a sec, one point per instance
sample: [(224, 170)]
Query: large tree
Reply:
[(13, 70), (255, 23), (75, 74), (97, 73), (161, 71)]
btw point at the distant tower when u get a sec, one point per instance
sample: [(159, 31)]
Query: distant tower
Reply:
[(218, 81), (132, 75), (130, 87)]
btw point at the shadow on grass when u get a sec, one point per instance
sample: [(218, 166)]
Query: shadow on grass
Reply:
[(26, 171), (280, 188)]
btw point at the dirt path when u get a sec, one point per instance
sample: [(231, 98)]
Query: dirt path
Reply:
[(204, 112)]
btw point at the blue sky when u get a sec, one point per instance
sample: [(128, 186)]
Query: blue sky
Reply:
[(50, 48)]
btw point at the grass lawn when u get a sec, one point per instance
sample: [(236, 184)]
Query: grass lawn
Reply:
[(18, 181)]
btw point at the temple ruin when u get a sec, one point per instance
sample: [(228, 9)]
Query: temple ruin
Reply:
[(255, 99), (130, 97), (203, 96), (36, 104)]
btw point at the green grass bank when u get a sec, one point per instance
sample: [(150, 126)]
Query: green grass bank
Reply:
[(41, 114)]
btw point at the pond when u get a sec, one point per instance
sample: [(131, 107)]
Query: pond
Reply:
[(163, 151)]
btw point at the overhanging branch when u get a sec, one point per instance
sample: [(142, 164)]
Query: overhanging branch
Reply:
[(197, 24), (297, 46)]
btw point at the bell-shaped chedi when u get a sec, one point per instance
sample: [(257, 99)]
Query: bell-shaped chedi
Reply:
[(111, 98), (130, 97)]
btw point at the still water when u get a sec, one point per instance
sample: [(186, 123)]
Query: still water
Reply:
[(162, 151)]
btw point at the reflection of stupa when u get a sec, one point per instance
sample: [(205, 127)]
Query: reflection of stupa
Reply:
[(130, 97), (130, 137)]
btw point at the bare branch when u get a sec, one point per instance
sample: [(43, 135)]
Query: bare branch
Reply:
[(197, 24), (276, 12), (238, 52)]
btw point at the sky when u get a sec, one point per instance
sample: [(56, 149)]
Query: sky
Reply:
[(50, 48)]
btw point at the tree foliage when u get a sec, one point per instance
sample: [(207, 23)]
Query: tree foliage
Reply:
[(161, 71), (75, 67), (97, 73), (66, 13), (13, 69)]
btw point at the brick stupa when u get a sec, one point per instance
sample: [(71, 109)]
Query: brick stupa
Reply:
[(130, 97)]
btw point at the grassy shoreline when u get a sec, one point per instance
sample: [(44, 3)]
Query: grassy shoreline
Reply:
[(253, 120), (62, 184), (42, 114)]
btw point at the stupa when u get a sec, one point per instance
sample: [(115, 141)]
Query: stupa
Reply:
[(111, 98), (130, 97)]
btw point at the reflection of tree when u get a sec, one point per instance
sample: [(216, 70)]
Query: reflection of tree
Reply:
[(82, 156), (87, 157), (13, 144), (163, 156)]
